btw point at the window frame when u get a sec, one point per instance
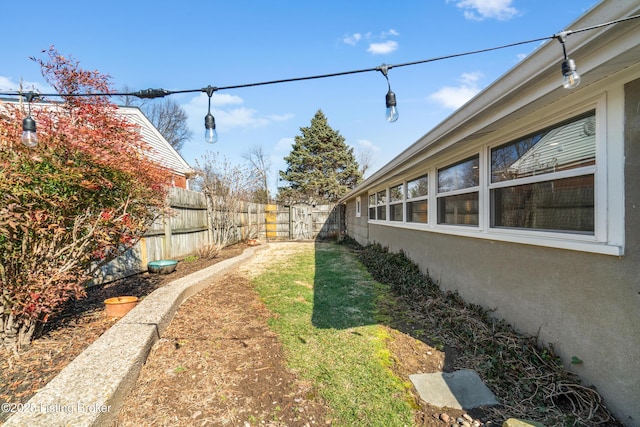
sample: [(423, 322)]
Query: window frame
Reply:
[(582, 171), (371, 206), (394, 203), (382, 204), (417, 199), (608, 236), (441, 196)]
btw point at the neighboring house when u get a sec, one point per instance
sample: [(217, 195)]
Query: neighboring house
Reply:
[(163, 153), (526, 200)]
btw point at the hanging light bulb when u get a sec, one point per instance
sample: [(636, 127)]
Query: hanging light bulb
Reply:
[(210, 134), (390, 100), (392, 110), (29, 137), (570, 77)]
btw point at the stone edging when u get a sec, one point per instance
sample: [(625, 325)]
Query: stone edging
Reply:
[(92, 388)]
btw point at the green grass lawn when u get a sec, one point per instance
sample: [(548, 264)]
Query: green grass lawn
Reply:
[(324, 306)]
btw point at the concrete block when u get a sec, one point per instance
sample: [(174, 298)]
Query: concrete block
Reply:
[(461, 389), (514, 422)]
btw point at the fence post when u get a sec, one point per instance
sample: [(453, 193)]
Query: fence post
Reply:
[(290, 222), (166, 248)]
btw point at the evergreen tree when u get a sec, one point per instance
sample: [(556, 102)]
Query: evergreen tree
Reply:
[(321, 166)]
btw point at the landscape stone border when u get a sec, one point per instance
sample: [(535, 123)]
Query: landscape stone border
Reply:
[(91, 390)]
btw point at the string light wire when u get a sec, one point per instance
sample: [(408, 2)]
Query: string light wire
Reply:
[(160, 93)]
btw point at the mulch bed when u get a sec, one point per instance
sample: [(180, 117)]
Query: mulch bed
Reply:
[(218, 363), (77, 327)]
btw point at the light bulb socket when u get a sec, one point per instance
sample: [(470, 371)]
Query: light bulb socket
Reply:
[(28, 124), (209, 121), (568, 66), (391, 99)]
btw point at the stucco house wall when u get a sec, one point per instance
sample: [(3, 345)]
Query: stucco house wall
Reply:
[(578, 291)]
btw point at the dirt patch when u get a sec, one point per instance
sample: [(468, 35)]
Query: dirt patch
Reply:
[(77, 327), (218, 363)]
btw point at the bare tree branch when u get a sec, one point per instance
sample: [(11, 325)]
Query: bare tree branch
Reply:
[(260, 168)]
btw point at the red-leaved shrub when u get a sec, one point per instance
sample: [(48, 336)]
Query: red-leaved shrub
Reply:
[(83, 196)]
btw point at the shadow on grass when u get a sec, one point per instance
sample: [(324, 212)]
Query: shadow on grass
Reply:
[(341, 298), (346, 296)]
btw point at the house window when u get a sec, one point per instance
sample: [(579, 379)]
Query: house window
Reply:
[(458, 193), (381, 207), (417, 200), (396, 198), (372, 206), (546, 181), (358, 207)]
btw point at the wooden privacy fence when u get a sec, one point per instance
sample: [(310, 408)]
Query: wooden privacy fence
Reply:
[(301, 222), (171, 236), (187, 228)]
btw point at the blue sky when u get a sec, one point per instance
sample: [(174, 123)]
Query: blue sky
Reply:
[(191, 44)]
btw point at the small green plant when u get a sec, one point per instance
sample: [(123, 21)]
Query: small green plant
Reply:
[(274, 415), (191, 258), (179, 369), (576, 360), (418, 333)]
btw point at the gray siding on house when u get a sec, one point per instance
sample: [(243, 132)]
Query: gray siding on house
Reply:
[(357, 227), (585, 304)]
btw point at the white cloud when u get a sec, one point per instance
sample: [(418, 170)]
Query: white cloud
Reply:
[(7, 84), (352, 39), (240, 117), (455, 96), (470, 78), (378, 44), (478, 10), (383, 48), (217, 100), (226, 114), (221, 99), (391, 32)]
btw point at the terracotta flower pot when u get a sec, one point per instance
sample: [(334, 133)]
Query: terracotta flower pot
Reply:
[(119, 306)]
